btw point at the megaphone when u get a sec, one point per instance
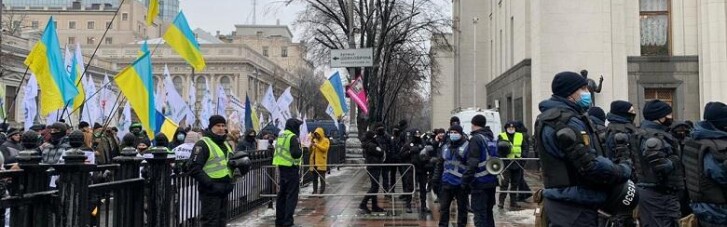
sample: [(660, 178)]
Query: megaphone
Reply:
[(494, 165)]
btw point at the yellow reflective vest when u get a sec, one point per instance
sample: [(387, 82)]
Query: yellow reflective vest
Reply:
[(216, 165), (516, 150), (282, 155)]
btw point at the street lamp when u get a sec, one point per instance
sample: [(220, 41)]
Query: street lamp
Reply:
[(474, 62)]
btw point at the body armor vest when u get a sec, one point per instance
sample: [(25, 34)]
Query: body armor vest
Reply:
[(702, 189), (674, 180)]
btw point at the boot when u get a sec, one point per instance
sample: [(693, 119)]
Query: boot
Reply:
[(363, 206), (375, 206)]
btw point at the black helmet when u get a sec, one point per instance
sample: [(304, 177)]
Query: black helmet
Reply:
[(622, 198), (76, 139), (30, 139)]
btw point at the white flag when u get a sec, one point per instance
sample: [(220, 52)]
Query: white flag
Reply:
[(176, 108), (207, 107), (160, 97), (192, 101), (30, 109), (239, 108), (91, 110), (124, 121), (304, 139), (269, 100), (283, 106), (222, 101), (106, 99)]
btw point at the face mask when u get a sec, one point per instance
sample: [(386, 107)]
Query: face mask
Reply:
[(511, 131), (380, 131), (455, 137), (585, 100), (180, 137), (667, 122)]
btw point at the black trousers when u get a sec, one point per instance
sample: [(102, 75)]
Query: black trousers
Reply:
[(319, 175), (388, 176), (511, 180), (374, 178), (482, 202), (421, 180), (564, 214), (448, 194), (214, 209), (287, 198)]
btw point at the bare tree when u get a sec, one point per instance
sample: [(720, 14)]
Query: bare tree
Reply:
[(398, 31), (13, 23), (314, 106)]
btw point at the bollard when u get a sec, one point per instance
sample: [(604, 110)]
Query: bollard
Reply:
[(160, 186), (128, 204), (73, 189), (35, 179)]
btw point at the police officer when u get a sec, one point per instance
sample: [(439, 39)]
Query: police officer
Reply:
[(287, 159), (705, 162), (480, 183), (511, 176), (598, 118), (576, 178), (373, 154), (621, 122), (411, 154), (661, 176), (208, 164), (449, 172), (681, 132)]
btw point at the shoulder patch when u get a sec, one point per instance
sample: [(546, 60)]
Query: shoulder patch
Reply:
[(197, 149)]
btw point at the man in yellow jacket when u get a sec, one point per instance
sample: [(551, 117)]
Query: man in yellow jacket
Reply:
[(318, 159)]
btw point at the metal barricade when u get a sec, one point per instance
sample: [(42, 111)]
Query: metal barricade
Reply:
[(519, 163)]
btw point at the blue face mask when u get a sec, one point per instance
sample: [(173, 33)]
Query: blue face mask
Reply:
[(585, 101), (455, 137)]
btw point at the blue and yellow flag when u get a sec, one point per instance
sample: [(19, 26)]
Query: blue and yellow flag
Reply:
[(45, 61), (152, 12), (76, 78), (180, 37), (165, 125), (329, 92), (136, 82), (338, 86)]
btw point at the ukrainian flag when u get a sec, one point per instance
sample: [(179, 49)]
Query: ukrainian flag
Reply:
[(165, 126), (152, 12), (76, 78), (45, 61), (135, 81), (329, 92), (336, 82), (180, 37)]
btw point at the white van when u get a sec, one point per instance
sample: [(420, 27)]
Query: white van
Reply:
[(465, 118)]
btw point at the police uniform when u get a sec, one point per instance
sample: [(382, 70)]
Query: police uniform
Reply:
[(576, 177), (208, 165), (660, 176), (453, 167), (287, 159), (511, 177), (480, 182), (705, 164)]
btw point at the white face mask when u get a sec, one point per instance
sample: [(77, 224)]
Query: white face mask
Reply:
[(511, 131)]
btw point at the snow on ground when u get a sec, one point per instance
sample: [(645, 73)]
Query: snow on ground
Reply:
[(526, 216)]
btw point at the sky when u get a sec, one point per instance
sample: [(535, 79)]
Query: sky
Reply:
[(223, 15)]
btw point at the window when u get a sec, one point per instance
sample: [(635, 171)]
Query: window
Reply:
[(259, 34), (34, 24), (124, 16), (225, 82), (200, 85), (655, 29), (90, 25), (109, 40), (71, 25), (71, 40), (108, 24), (664, 94), (178, 83), (90, 40), (10, 93), (265, 51), (284, 52)]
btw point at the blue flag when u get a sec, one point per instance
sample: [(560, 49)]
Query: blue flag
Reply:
[(248, 113)]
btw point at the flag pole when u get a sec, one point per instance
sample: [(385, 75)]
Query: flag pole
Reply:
[(91, 96), (108, 26), (12, 104), (116, 104)]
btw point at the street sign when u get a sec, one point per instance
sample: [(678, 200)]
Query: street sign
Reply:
[(352, 58)]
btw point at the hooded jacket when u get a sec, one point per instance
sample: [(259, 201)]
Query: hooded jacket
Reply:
[(247, 142), (600, 169), (293, 125), (319, 151), (712, 213)]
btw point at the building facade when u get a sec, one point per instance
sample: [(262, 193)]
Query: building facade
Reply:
[(672, 50)]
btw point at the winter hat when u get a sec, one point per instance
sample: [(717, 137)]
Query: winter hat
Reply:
[(454, 119), (216, 119), (716, 113), (14, 131), (479, 120), (565, 83), (597, 112), (456, 128), (655, 109), (83, 124), (620, 107)]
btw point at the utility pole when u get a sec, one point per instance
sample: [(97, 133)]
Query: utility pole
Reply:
[(351, 70), (474, 63)]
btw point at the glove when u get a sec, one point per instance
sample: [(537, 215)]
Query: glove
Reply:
[(574, 148)]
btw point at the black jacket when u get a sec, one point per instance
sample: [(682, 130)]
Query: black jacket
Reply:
[(197, 160), (175, 143), (372, 152)]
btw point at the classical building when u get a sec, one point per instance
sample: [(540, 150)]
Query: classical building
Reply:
[(673, 50), (84, 23), (274, 42)]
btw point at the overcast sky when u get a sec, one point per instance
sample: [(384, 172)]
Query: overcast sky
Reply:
[(223, 15)]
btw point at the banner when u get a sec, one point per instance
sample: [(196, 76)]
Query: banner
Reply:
[(207, 107), (124, 121), (106, 98), (175, 107), (30, 106), (268, 101), (357, 93), (221, 101), (192, 101)]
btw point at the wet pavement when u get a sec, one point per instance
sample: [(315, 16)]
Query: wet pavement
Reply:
[(343, 210)]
